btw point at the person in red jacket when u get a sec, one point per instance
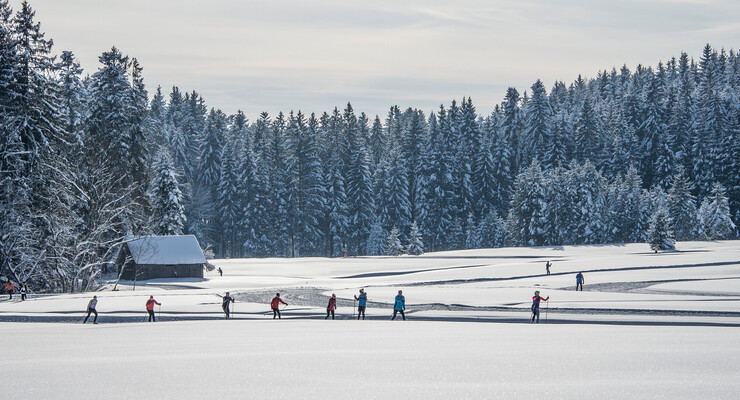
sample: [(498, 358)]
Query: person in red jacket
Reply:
[(332, 306), (536, 306), (10, 287), (150, 308), (275, 304)]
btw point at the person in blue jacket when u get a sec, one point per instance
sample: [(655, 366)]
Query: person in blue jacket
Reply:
[(362, 304), (399, 306), (579, 281)]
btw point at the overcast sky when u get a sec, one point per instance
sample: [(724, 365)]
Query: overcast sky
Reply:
[(312, 55)]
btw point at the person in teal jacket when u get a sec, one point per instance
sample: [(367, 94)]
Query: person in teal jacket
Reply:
[(362, 304), (399, 306)]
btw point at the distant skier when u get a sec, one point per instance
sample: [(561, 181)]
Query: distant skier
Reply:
[(10, 288), (91, 309), (23, 292), (220, 271), (362, 304), (332, 306), (275, 304), (225, 305), (399, 306), (150, 308), (579, 281), (536, 306), (547, 267)]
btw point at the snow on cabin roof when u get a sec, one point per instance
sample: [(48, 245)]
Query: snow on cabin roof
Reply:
[(166, 250)]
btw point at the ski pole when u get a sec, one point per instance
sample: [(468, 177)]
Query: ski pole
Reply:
[(353, 308), (547, 309)]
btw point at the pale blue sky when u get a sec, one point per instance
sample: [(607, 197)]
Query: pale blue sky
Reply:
[(284, 55)]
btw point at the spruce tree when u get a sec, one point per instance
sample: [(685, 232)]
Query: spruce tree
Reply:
[(715, 214), (416, 245), (537, 126), (377, 240), (393, 245), (683, 209), (660, 231), (168, 213), (526, 221)]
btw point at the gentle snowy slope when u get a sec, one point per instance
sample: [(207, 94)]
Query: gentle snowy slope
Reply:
[(646, 326), (372, 360)]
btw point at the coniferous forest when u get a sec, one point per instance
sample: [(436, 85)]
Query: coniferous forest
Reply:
[(649, 154)]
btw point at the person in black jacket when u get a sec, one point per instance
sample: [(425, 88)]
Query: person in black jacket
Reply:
[(225, 305), (91, 309)]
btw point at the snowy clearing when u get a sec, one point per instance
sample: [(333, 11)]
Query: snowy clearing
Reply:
[(646, 326)]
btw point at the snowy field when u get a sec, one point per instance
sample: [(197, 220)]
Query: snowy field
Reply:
[(646, 326)]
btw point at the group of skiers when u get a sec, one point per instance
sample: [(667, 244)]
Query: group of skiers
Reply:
[(399, 303), (10, 288), (579, 277), (93, 303)]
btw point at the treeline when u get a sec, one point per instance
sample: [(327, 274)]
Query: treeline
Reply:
[(87, 160)]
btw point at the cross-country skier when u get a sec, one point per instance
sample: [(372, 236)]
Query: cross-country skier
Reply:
[(150, 308), (332, 306), (579, 281), (10, 287), (23, 292), (220, 271), (91, 309), (399, 306), (225, 305), (536, 306), (362, 304), (547, 267), (275, 304)]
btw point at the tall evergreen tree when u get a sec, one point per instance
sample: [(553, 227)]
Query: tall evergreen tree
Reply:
[(168, 213), (715, 214), (660, 232), (682, 208)]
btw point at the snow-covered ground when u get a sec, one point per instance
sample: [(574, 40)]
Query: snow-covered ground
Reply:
[(646, 326)]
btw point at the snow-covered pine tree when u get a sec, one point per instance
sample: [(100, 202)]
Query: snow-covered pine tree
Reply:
[(492, 231), (485, 174), (660, 231), (504, 170), (510, 128), (211, 148), (626, 216), (168, 213), (393, 245), (336, 220), (590, 202), (587, 135), (359, 186), (714, 214), (468, 140), (537, 125), (416, 245), (442, 196), (526, 221), (683, 209), (378, 143), (556, 150), (311, 194), (377, 240), (472, 241), (395, 207), (229, 206)]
